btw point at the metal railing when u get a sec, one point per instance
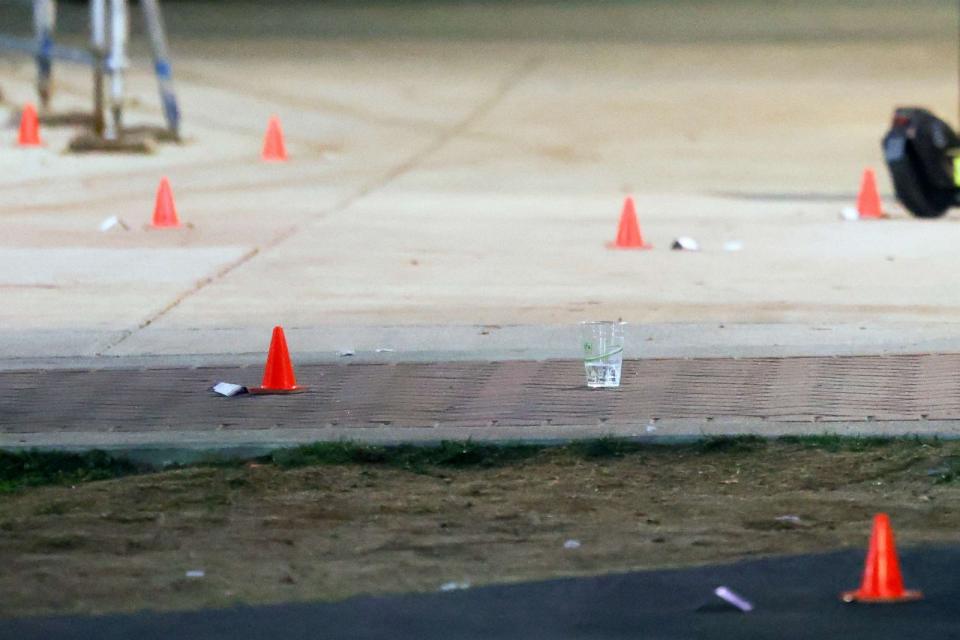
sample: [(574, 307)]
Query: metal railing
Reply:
[(106, 56)]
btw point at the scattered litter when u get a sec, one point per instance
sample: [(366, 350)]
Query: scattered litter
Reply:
[(196, 573), (788, 518), (736, 600), (113, 222), (345, 353), (228, 389), (685, 243), (571, 544), (732, 245), (454, 586), (850, 214), (385, 350), (651, 428)]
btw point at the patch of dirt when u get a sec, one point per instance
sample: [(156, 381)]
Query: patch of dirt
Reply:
[(262, 534)]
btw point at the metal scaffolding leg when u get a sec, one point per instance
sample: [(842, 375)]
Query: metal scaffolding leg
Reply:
[(108, 59), (98, 45), (116, 64), (161, 64), (44, 26)]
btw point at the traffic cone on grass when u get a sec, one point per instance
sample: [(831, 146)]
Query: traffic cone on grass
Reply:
[(274, 149), (29, 127), (165, 211), (628, 233), (278, 374), (868, 201), (882, 581)]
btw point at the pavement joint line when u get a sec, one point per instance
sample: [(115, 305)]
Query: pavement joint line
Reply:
[(506, 85), (183, 296)]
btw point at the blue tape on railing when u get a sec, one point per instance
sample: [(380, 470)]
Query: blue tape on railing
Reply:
[(172, 112), (29, 46), (162, 68)]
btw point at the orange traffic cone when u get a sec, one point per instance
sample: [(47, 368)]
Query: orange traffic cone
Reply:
[(882, 581), (278, 373), (628, 234), (868, 202), (274, 150), (165, 211), (29, 127)]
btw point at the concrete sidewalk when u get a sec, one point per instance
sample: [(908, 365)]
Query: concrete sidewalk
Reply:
[(451, 180)]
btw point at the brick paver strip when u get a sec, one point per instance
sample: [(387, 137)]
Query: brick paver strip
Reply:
[(483, 394)]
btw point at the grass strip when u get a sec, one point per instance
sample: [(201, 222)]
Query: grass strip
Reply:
[(24, 469)]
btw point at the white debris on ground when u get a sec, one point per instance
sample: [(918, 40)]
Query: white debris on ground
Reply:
[(850, 214), (732, 245), (735, 599), (571, 544), (228, 389), (345, 353), (788, 518), (113, 222), (685, 243), (454, 586), (196, 573)]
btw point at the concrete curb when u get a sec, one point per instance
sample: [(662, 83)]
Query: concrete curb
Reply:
[(186, 446), (158, 348)]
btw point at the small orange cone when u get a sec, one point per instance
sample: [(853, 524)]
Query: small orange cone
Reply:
[(274, 150), (628, 234), (29, 127), (868, 202), (165, 211), (882, 581), (278, 373)]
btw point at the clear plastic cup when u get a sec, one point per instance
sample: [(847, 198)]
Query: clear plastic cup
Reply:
[(602, 343)]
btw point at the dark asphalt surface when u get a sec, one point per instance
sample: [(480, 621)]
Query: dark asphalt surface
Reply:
[(795, 597)]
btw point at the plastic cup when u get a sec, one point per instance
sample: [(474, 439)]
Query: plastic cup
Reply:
[(602, 352)]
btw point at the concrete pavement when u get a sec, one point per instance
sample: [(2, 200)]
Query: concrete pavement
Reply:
[(456, 173)]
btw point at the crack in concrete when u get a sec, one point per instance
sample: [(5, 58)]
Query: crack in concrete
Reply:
[(503, 88)]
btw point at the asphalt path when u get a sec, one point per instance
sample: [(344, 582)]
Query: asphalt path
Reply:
[(794, 597)]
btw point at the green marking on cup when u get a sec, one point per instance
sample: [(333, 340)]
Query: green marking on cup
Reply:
[(603, 355)]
